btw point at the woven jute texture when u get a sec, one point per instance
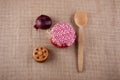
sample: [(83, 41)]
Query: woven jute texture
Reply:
[(18, 39)]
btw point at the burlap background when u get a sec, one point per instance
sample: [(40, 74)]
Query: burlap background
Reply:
[(18, 38)]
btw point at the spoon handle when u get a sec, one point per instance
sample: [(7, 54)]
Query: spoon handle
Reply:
[(80, 49)]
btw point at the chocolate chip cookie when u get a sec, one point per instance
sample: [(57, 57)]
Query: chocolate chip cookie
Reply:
[(40, 54)]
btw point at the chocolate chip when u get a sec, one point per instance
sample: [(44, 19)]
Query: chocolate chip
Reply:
[(37, 49), (38, 57), (41, 48), (43, 56), (44, 51), (36, 53)]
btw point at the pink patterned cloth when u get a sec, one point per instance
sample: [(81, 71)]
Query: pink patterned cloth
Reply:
[(63, 34)]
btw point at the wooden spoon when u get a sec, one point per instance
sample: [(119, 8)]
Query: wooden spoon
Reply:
[(80, 19)]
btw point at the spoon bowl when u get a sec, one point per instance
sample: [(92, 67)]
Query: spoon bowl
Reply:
[(80, 18)]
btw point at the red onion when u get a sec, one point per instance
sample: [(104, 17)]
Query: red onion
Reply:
[(43, 22)]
